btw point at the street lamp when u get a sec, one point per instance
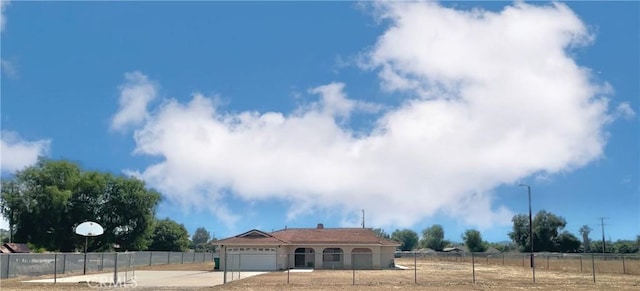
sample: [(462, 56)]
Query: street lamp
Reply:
[(533, 266)]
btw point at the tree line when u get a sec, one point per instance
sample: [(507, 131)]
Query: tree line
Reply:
[(548, 236), (44, 203)]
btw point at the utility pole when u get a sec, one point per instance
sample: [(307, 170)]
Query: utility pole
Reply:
[(362, 218), (603, 241)]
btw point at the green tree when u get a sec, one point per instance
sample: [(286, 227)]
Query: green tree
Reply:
[(520, 232), (546, 230), (433, 238), (408, 238), (45, 202), (381, 233), (168, 235), (4, 236), (567, 243), (200, 239), (473, 240), (625, 246)]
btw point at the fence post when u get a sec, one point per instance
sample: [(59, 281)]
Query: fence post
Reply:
[(203, 257), (288, 269), (353, 269), (415, 268), (150, 258), (55, 268), (102, 262), (473, 267), (547, 262), (64, 262), (8, 264), (503, 259), (182, 258), (224, 279), (624, 269), (580, 264), (133, 265), (523, 260), (168, 258), (593, 267), (115, 269)]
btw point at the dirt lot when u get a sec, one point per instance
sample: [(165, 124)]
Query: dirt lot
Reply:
[(431, 275)]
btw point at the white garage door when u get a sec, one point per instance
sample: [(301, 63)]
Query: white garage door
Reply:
[(251, 259)]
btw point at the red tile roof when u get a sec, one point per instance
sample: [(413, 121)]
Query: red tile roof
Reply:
[(309, 236)]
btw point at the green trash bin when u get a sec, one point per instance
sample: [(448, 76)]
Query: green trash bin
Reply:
[(217, 263)]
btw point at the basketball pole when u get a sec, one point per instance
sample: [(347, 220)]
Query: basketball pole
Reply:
[(84, 270)]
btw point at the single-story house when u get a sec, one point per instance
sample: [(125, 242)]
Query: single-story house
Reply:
[(320, 248)]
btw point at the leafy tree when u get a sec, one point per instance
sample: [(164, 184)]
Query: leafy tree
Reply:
[(381, 233), (596, 246), (473, 240), (168, 235), (625, 246), (433, 238), (520, 233), (4, 236), (407, 237), (584, 231), (547, 228), (567, 243), (45, 202), (200, 239)]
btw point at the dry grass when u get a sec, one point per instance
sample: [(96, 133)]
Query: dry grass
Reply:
[(579, 264), (436, 275), (430, 275)]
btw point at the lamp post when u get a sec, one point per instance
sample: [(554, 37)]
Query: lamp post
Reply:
[(533, 266)]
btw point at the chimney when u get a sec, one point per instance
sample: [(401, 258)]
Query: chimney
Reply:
[(320, 226)]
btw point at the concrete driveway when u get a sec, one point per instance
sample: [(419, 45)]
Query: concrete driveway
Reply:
[(144, 278)]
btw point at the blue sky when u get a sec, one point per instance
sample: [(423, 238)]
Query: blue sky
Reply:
[(272, 114)]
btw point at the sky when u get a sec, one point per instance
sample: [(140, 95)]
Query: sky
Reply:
[(287, 114)]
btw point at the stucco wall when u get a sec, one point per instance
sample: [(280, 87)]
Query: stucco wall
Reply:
[(382, 257)]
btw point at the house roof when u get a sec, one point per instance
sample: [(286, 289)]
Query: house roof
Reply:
[(16, 248), (319, 235), (252, 237)]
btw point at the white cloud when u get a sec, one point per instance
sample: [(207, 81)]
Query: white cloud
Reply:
[(496, 98), (17, 153), (625, 111), (135, 95), (3, 18), (8, 69)]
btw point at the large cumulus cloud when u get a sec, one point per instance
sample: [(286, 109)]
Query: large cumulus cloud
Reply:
[(489, 98)]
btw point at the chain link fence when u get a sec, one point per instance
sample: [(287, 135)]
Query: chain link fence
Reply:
[(508, 270), (18, 265)]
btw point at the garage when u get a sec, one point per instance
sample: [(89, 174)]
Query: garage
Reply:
[(251, 259), (362, 258)]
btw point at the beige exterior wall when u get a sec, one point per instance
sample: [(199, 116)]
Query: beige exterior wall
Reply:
[(387, 257), (382, 257)]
